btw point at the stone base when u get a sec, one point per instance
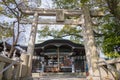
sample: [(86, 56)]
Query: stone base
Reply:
[(26, 78)]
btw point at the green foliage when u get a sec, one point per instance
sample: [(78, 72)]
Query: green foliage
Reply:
[(112, 54), (84, 1), (1, 8), (111, 39), (66, 31), (110, 42), (73, 32), (66, 4), (7, 32)]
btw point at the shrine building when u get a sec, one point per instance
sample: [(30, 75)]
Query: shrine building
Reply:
[(57, 55)]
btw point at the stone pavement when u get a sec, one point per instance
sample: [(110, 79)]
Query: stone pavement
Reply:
[(59, 79), (58, 76)]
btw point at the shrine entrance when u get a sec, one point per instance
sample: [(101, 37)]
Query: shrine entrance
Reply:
[(84, 20), (59, 55)]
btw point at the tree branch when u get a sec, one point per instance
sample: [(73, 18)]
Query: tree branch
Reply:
[(9, 7)]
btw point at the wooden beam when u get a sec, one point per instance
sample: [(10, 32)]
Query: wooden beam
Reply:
[(112, 61), (60, 16), (96, 13), (2, 65), (53, 21), (6, 59), (51, 12)]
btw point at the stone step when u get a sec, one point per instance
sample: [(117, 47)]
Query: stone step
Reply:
[(69, 75), (58, 76), (59, 79)]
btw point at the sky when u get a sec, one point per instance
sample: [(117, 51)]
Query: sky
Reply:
[(27, 28), (46, 4)]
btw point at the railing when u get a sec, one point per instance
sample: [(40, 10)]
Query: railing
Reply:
[(112, 68), (13, 69), (12, 64), (9, 69)]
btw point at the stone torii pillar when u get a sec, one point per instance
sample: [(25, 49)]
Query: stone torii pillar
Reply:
[(90, 47), (31, 43)]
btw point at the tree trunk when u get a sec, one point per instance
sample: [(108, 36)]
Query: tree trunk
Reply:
[(89, 42)]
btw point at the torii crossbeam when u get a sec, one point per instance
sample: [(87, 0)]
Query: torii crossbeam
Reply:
[(60, 16)]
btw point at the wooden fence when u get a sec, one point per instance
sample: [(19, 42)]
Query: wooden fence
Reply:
[(13, 69), (109, 69)]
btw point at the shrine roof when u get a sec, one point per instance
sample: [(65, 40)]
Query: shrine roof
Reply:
[(58, 43)]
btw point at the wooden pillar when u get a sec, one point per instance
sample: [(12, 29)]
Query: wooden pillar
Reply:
[(118, 69), (8, 73), (59, 15), (24, 65), (43, 64), (31, 42), (16, 72), (89, 42), (117, 66), (2, 64), (73, 67), (58, 58)]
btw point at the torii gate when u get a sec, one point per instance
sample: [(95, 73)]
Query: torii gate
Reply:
[(85, 22)]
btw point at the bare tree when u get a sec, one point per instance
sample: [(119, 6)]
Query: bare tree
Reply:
[(12, 8)]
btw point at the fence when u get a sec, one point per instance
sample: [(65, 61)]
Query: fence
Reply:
[(13, 69), (109, 69)]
